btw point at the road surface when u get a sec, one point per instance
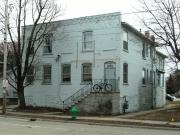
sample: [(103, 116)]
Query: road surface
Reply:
[(14, 126)]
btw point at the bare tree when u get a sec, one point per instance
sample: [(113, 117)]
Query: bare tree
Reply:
[(27, 40), (163, 20)]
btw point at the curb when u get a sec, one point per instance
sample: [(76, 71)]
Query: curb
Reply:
[(100, 121)]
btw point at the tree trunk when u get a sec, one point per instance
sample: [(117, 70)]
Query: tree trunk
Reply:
[(21, 97)]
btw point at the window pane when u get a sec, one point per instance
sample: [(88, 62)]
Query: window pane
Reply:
[(125, 73), (30, 75), (143, 76), (48, 43), (147, 50), (125, 36), (125, 40), (87, 72), (66, 73), (88, 40), (47, 74), (143, 51)]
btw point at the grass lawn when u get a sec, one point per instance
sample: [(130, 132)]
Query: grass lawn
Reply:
[(170, 114)]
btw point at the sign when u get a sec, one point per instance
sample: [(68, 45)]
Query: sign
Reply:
[(5, 83)]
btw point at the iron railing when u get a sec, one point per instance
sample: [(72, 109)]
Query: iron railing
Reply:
[(97, 85), (77, 96)]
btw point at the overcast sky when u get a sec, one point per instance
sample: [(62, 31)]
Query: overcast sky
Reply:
[(79, 8)]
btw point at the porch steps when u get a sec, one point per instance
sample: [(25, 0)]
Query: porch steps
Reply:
[(76, 102)]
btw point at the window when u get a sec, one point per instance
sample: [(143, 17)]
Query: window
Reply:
[(66, 73), (154, 77), (125, 73), (125, 40), (143, 76), (147, 50), (32, 43), (151, 52), (151, 76), (158, 79), (48, 43), (87, 72), (30, 75), (47, 74), (147, 75), (162, 78), (88, 40), (143, 50)]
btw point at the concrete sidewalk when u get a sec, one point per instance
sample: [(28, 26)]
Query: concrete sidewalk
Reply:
[(103, 120), (119, 120)]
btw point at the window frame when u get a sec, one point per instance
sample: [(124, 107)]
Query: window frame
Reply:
[(86, 41), (125, 41), (67, 74), (82, 73), (143, 50), (147, 74), (50, 36), (30, 76), (125, 73), (50, 75), (147, 49), (143, 76), (31, 52)]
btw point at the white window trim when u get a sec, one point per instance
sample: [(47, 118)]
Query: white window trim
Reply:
[(65, 82), (43, 82)]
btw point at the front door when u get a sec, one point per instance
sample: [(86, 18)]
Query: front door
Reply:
[(110, 74)]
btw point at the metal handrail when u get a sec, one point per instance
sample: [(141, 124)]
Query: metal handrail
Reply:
[(88, 88), (77, 95)]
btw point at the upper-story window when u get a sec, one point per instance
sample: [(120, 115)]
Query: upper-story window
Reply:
[(147, 50), (143, 50), (86, 72), (66, 73), (32, 44), (125, 40), (152, 52), (125, 73), (47, 43), (88, 41), (143, 76)]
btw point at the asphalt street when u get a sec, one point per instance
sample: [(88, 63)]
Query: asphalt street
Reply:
[(14, 126)]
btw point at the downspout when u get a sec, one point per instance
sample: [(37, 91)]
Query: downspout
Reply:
[(58, 84), (155, 81)]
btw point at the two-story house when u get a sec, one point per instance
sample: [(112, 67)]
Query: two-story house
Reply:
[(97, 62)]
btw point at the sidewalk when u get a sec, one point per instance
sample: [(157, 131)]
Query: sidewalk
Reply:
[(105, 120), (120, 120)]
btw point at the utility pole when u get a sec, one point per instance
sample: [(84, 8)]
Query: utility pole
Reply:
[(5, 82)]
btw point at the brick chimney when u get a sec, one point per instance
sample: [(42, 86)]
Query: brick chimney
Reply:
[(147, 34), (152, 38)]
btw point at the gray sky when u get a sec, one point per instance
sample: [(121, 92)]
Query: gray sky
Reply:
[(79, 8)]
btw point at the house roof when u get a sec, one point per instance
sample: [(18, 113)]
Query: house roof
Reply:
[(139, 34), (161, 54), (83, 19)]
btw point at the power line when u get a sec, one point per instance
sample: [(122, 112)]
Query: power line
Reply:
[(137, 12)]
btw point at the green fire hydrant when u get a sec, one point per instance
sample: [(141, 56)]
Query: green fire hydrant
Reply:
[(74, 112)]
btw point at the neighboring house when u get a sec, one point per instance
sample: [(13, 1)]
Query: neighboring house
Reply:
[(97, 49), (12, 94)]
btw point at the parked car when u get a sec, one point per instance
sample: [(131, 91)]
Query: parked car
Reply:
[(170, 97)]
